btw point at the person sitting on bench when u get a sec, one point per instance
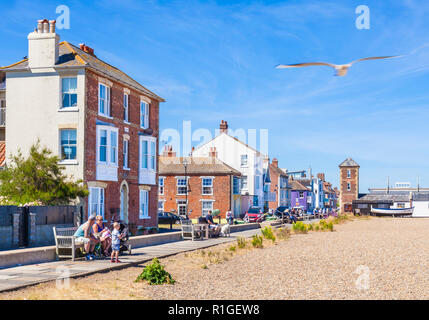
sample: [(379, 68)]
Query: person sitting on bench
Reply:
[(213, 227)]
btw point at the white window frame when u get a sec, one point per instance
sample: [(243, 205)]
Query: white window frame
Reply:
[(210, 186), (65, 161), (126, 103), (162, 207), (349, 173), (161, 185), (109, 147), (144, 116), (70, 92), (147, 173), (244, 183), (144, 199), (349, 186), (244, 164), (126, 154), (105, 101), (301, 194), (100, 203), (204, 211), (181, 186)]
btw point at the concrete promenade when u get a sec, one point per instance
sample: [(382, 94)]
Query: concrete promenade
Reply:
[(22, 276)]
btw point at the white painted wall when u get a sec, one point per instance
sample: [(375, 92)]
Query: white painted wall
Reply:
[(229, 151), (34, 103)]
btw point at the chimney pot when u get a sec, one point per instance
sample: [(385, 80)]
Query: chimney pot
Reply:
[(52, 26), (223, 126)]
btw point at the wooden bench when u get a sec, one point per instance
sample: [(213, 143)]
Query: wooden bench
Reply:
[(189, 231), (65, 239)]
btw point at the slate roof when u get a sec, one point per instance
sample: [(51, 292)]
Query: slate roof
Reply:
[(297, 186), (71, 56), (197, 166), (419, 196), (385, 197), (349, 162)]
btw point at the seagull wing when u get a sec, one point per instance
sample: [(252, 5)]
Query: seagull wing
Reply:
[(374, 58), (307, 64)]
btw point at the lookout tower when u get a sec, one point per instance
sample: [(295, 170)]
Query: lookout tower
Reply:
[(349, 184)]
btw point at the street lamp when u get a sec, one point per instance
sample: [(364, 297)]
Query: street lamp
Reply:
[(186, 161)]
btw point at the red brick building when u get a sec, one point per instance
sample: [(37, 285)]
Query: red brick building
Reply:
[(103, 124), (208, 184), (349, 184), (279, 186)]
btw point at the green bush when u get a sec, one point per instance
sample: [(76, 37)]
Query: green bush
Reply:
[(38, 180), (155, 273), (232, 248), (241, 242), (257, 241), (268, 234)]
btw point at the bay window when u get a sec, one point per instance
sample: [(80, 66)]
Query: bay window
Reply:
[(147, 161), (107, 153)]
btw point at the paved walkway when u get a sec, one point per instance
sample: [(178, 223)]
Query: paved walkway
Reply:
[(23, 276)]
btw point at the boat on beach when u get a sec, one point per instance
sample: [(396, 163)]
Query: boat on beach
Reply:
[(392, 212)]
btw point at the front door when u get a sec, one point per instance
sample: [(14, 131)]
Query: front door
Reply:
[(124, 204)]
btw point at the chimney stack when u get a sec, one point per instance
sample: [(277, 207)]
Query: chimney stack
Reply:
[(275, 162), (213, 152), (168, 152), (321, 176), (43, 46), (223, 127), (86, 49)]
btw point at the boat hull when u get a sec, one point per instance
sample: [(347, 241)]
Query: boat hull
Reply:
[(393, 212)]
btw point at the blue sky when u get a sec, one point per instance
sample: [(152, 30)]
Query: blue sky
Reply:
[(214, 60)]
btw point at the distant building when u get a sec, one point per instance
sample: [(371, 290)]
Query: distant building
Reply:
[(349, 184), (279, 186), (300, 195), (250, 162), (208, 184)]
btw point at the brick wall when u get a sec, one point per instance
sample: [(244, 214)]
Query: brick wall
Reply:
[(112, 192), (221, 194), (274, 187)]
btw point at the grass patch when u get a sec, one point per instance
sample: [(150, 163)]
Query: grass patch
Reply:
[(282, 233), (241, 242)]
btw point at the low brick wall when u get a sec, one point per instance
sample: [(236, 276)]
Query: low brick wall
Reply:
[(12, 258), (6, 237)]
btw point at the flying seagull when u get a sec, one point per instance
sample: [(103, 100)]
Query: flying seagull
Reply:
[(341, 69)]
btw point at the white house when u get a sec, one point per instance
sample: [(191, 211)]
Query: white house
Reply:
[(242, 157)]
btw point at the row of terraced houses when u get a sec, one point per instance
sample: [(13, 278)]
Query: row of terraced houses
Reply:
[(104, 125)]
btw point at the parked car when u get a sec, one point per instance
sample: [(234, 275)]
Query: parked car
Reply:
[(254, 214), (280, 210), (168, 218)]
